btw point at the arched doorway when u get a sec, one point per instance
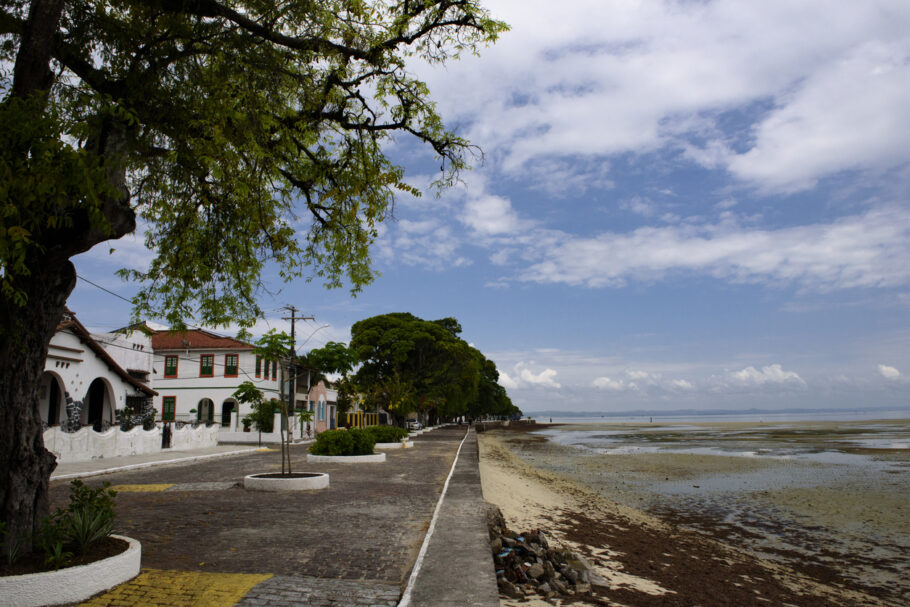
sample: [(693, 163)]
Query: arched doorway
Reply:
[(205, 412), (97, 406), (53, 402), (227, 407)]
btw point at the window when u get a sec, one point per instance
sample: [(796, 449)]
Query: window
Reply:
[(321, 409), (230, 365), (207, 365), (259, 366), (170, 366), (275, 369), (169, 408)]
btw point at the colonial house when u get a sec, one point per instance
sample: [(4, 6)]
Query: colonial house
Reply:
[(323, 403), (83, 385), (196, 373)]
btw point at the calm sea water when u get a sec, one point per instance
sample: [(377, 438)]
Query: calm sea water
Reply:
[(671, 417)]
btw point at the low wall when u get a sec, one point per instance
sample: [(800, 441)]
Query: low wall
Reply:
[(86, 444), (233, 435)]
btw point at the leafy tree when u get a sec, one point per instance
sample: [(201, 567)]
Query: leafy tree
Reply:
[(226, 128), (334, 357), (410, 364)]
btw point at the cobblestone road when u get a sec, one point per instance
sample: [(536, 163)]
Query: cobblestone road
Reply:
[(351, 544)]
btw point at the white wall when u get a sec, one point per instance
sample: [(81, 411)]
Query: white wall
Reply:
[(133, 351), (86, 444), (235, 433)]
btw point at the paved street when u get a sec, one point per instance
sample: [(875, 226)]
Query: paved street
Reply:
[(207, 541)]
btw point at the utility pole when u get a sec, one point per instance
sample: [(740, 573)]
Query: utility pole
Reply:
[(292, 367)]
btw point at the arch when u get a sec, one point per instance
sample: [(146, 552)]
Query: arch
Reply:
[(205, 411), (52, 398), (98, 411), (227, 407)]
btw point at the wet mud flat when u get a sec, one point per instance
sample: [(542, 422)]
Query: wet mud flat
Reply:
[(826, 500)]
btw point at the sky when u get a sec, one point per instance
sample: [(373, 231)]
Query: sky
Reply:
[(681, 205)]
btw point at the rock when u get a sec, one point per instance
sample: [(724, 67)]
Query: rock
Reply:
[(536, 571), (599, 583), (544, 589), (582, 588), (549, 571), (509, 589), (509, 542), (558, 586), (496, 546)]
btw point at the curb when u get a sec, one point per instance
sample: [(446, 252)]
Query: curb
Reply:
[(63, 477)]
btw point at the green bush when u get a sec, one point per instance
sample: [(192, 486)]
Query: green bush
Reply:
[(343, 442), (386, 434)]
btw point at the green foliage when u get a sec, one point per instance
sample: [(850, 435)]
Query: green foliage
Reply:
[(386, 434), (409, 364), (334, 357), (263, 415), (232, 121), (12, 547), (89, 516), (343, 442), (56, 557)]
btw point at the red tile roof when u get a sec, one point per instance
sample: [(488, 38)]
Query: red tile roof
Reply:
[(195, 339)]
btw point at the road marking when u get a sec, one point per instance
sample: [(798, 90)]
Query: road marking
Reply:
[(406, 595), (180, 589), (149, 488)]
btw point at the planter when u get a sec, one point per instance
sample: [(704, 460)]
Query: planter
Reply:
[(347, 459), (73, 584), (299, 481)]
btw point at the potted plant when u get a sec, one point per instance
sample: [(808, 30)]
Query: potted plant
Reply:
[(247, 422)]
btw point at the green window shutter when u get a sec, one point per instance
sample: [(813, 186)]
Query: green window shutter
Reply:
[(230, 365), (169, 408), (258, 366), (207, 365), (170, 366)]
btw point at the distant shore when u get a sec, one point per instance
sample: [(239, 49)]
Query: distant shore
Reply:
[(649, 560)]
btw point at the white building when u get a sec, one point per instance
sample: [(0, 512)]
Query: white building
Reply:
[(196, 373), (82, 384)]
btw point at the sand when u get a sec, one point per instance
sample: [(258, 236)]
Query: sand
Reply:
[(657, 559)]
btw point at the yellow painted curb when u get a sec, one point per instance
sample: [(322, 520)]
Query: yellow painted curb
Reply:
[(180, 589), (150, 488)]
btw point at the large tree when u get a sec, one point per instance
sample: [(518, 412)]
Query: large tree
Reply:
[(226, 128), (415, 364)]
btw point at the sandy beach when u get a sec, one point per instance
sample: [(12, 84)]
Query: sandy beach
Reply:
[(654, 556)]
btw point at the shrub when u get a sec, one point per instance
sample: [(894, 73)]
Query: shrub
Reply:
[(90, 515), (386, 434), (343, 442)]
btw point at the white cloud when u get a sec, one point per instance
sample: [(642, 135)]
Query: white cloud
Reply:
[(867, 250), (682, 384), (614, 385), (889, 372), (811, 136), (526, 377), (600, 79), (507, 382), (491, 215), (769, 375)]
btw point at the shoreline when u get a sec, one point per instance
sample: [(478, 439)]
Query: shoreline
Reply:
[(648, 559)]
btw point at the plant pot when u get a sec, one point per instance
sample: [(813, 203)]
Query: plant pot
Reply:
[(72, 584), (275, 481), (245, 429)]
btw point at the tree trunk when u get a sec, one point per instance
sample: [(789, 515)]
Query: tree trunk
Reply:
[(25, 465)]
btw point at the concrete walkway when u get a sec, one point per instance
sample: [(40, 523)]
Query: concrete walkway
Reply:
[(355, 543)]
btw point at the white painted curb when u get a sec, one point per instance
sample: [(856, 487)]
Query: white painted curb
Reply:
[(73, 584), (319, 480), (404, 445), (346, 459)]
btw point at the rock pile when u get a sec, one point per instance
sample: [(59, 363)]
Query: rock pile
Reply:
[(526, 564)]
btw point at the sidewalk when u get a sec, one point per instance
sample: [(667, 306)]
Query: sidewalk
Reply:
[(109, 465), (354, 543)]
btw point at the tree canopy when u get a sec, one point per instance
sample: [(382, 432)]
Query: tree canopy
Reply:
[(236, 134), (410, 364)]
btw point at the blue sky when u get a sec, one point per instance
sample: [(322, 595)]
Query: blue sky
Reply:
[(686, 204)]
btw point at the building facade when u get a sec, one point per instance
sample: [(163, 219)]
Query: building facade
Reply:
[(83, 385), (196, 373)]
